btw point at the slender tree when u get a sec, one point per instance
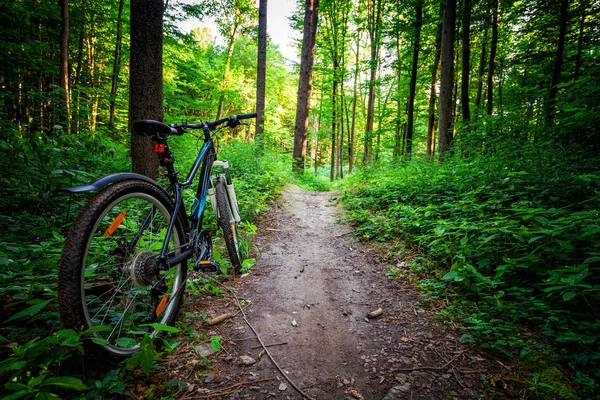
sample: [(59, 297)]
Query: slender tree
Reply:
[(466, 61), (116, 67), (482, 63), (145, 79), (261, 71), (374, 8), (560, 50), (433, 88), (410, 109), (492, 69), (305, 85), (64, 61), (447, 58)]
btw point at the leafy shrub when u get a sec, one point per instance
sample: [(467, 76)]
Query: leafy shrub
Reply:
[(518, 232)]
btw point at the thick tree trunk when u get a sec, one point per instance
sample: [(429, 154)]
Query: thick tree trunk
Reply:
[(116, 67), (447, 57), (261, 71), (466, 61), (145, 79), (413, 78), (305, 85), (493, 46), (64, 63)]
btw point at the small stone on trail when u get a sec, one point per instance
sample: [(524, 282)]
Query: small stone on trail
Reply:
[(282, 386), (294, 323), (246, 360), (204, 350)]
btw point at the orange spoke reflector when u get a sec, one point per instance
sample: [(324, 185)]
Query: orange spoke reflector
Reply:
[(115, 224), (161, 305)]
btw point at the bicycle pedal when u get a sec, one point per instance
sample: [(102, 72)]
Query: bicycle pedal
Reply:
[(206, 266)]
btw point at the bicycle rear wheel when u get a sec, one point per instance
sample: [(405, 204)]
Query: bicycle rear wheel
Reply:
[(109, 275), (228, 224)]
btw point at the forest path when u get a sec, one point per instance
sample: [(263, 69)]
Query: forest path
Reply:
[(308, 296)]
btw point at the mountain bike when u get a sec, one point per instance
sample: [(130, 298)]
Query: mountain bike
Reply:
[(123, 270)]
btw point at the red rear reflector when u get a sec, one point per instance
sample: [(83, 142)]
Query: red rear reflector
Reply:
[(158, 148)]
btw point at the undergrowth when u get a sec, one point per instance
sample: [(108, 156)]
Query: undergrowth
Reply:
[(39, 358), (511, 238)]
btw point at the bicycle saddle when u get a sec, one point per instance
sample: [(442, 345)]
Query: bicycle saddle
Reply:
[(155, 130)]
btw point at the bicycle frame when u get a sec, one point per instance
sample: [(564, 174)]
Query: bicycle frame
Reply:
[(205, 159)]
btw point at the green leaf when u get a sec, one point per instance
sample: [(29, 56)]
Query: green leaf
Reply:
[(66, 382), (568, 295), (450, 275), (164, 328), (99, 341), (464, 240), (29, 311), (95, 329), (18, 395), (215, 343), (126, 342)]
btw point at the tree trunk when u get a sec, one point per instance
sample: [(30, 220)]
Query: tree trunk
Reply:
[(261, 72), (413, 78), (305, 85), (64, 63), (580, 39), (447, 57), (466, 61), (116, 68), (374, 35), (333, 122), (493, 46), (482, 62), (433, 89), (354, 99), (564, 9), (145, 79)]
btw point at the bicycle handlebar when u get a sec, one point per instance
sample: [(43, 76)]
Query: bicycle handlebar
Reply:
[(160, 131), (232, 122)]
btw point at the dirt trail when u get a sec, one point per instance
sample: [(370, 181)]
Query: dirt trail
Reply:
[(311, 274)]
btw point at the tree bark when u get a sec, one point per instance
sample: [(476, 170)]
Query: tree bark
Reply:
[(466, 61), (354, 99), (413, 78), (64, 63), (305, 85), (145, 79), (447, 57), (261, 72), (493, 46)]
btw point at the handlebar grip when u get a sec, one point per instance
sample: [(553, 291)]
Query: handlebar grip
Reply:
[(246, 116)]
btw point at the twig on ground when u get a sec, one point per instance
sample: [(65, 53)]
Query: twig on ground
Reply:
[(230, 389), (434, 368), (269, 345)]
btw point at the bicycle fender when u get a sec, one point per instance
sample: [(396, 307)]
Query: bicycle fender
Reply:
[(108, 180)]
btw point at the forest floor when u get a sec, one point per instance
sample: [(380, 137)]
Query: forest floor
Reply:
[(308, 297)]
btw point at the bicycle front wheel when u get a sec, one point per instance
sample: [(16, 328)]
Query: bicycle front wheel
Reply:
[(228, 225), (109, 274)]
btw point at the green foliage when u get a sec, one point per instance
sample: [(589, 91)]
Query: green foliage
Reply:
[(512, 237)]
